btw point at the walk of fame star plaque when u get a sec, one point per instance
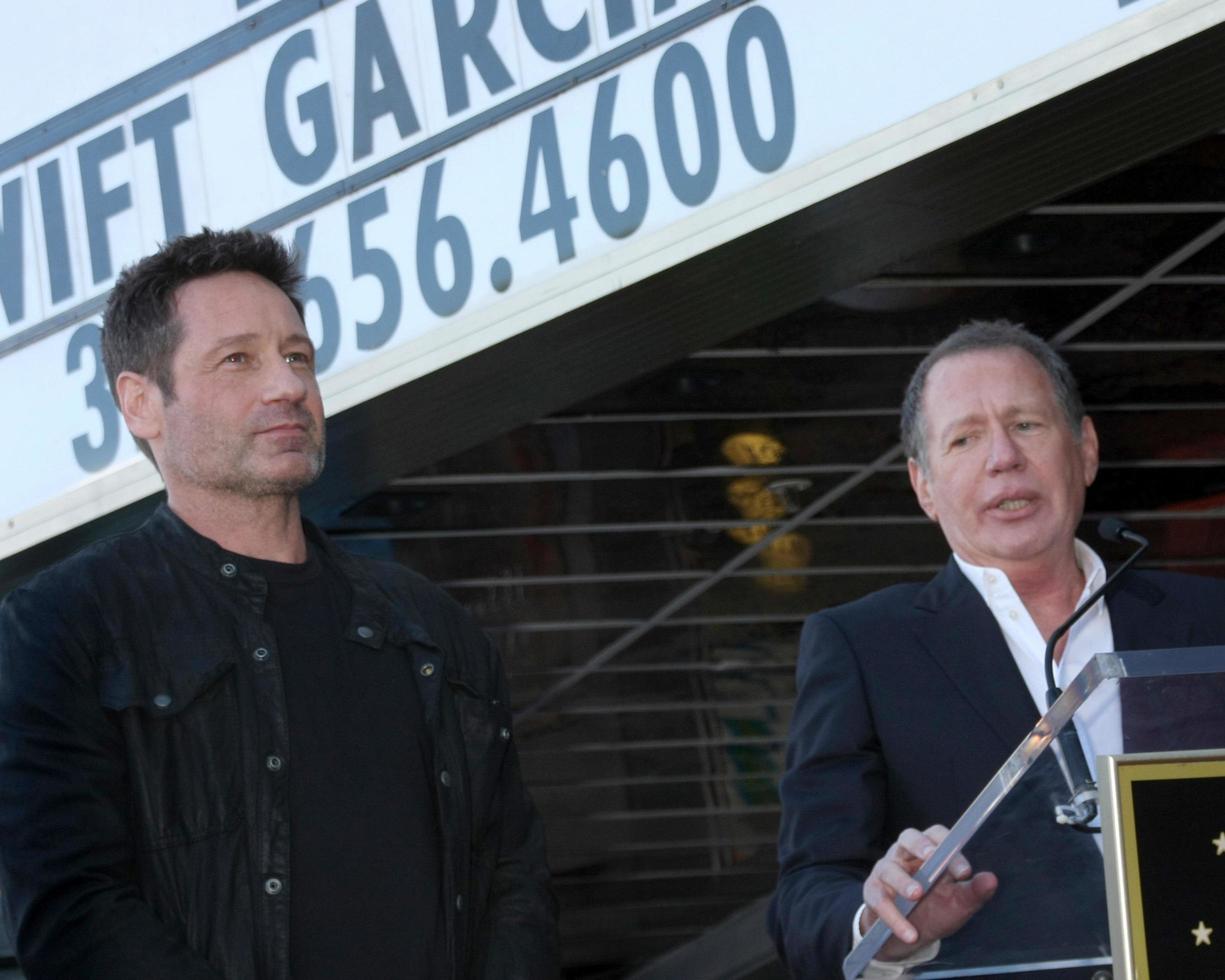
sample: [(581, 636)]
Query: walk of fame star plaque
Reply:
[(1163, 837)]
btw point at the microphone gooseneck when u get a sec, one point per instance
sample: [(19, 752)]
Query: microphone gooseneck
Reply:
[(1082, 805)]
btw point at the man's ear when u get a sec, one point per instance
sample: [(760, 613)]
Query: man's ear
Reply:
[(140, 400), (1088, 449), (922, 490)]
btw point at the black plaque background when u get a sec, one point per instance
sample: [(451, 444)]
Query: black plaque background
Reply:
[(1182, 879)]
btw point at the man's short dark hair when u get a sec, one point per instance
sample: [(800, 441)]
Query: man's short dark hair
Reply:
[(141, 326), (987, 335)]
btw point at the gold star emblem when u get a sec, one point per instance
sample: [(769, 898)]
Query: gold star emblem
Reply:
[(1202, 934), (1220, 844)]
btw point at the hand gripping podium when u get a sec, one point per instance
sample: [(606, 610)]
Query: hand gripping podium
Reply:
[(1144, 888)]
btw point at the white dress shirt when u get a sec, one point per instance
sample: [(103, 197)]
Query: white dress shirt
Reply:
[(1098, 721)]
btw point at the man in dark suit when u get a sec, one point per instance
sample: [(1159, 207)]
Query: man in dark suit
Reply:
[(910, 699)]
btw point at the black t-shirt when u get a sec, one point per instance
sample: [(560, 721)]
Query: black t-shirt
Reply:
[(365, 854)]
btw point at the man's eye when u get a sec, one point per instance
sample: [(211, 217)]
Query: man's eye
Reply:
[(298, 357), (238, 358)]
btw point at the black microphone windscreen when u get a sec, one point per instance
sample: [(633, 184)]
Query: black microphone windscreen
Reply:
[(1112, 529)]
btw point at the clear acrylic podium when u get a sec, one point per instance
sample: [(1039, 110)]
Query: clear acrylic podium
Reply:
[(1049, 916)]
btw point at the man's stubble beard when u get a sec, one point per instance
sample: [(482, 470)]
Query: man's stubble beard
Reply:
[(239, 480), (250, 485)]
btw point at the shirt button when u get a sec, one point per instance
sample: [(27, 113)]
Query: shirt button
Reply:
[(990, 579), (1012, 614), (162, 700), (229, 569), (427, 670), (505, 734), (274, 763), (260, 654), (365, 632), (273, 886), (459, 903), (445, 778)]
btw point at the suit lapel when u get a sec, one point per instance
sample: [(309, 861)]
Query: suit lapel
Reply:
[(957, 630), (1136, 622)]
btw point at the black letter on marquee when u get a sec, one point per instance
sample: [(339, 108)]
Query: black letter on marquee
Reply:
[(89, 457), (11, 265), (101, 205), (550, 41), (765, 155), (620, 14), (55, 230), (158, 126), (314, 107), (471, 40), (372, 47)]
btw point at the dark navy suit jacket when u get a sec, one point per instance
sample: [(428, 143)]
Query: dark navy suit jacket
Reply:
[(907, 703)]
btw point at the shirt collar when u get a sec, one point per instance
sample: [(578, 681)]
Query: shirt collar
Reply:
[(990, 582)]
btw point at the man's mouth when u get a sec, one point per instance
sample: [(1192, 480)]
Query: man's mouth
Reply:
[(1013, 504)]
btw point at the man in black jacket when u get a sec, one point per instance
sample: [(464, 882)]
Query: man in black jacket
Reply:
[(228, 748)]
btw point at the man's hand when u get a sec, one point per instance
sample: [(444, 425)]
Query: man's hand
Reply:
[(947, 906)]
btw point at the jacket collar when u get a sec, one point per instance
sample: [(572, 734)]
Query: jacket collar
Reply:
[(958, 632), (1135, 620), (373, 619)]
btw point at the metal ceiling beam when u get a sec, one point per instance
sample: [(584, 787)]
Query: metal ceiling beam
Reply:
[(1171, 207), (1171, 262), (661, 707), (570, 476), (713, 524), (727, 780), (619, 418), (665, 813), (1099, 347), (654, 744), (562, 879), (630, 578), (565, 625), (950, 281), (723, 472), (724, 666)]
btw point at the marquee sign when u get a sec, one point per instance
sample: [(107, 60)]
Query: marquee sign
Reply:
[(454, 171)]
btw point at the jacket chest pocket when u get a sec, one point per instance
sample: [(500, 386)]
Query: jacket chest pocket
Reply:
[(485, 725), (184, 749)]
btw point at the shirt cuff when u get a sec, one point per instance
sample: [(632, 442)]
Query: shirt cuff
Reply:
[(891, 969)]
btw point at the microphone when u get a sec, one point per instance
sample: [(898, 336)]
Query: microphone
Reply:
[(1082, 805), (1115, 529)]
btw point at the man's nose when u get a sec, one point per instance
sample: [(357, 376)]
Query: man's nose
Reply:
[(1003, 453), (284, 382)]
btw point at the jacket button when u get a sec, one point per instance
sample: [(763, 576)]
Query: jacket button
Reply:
[(273, 886), (445, 778), (274, 763), (162, 700), (459, 903), (365, 632), (427, 670), (505, 734), (229, 569), (260, 654)]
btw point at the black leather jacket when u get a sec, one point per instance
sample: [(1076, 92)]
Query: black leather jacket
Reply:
[(143, 833)]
